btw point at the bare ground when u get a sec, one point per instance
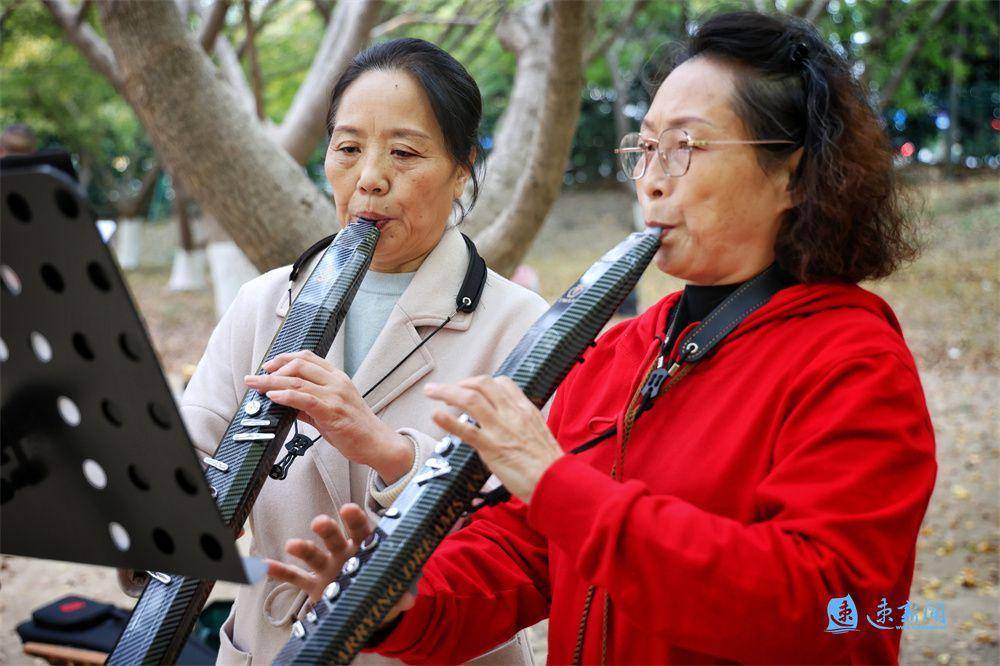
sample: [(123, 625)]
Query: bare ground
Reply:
[(946, 301)]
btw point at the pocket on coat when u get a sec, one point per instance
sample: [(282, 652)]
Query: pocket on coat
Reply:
[(229, 654)]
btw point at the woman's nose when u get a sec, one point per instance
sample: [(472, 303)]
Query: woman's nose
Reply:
[(654, 183), (374, 177)]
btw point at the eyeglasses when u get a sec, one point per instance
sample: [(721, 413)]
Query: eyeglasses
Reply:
[(673, 147)]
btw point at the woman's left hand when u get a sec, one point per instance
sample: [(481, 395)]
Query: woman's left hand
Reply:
[(512, 437), (328, 401)]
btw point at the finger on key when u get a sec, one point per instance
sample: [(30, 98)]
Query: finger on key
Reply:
[(327, 529), (308, 552), (356, 520)]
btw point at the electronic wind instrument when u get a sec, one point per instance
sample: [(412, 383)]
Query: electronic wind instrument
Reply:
[(169, 606), (389, 561)]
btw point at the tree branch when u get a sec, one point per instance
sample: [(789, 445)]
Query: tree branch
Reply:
[(324, 8), (599, 49), (449, 30), (266, 16), (256, 79), (86, 40), (887, 93), (81, 14), (213, 24), (305, 123), (811, 11), (474, 49), (401, 20)]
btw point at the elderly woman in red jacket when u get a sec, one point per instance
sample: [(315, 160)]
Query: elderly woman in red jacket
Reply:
[(789, 469)]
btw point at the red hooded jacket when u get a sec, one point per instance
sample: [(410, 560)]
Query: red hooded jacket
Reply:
[(792, 466)]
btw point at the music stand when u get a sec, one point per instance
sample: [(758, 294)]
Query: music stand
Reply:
[(95, 463)]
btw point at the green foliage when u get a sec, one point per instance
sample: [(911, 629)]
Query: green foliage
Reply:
[(874, 36), (285, 48), (46, 84)]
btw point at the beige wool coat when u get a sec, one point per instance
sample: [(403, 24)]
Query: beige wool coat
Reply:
[(323, 479)]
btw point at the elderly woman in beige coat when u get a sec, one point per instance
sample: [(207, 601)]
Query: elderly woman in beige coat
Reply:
[(403, 122)]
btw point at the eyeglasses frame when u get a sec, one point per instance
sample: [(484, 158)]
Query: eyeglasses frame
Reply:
[(689, 144)]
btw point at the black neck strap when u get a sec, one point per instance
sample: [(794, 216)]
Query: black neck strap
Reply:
[(468, 294), (475, 279), (736, 307), (706, 336)]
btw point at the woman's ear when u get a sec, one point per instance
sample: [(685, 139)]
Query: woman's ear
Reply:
[(463, 177), (787, 175), (464, 174)]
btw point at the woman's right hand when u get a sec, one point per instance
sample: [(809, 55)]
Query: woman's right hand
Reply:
[(324, 564)]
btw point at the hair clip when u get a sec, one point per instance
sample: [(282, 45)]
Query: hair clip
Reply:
[(799, 53)]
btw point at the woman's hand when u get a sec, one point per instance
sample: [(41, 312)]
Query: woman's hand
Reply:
[(327, 400), (512, 437), (325, 563)]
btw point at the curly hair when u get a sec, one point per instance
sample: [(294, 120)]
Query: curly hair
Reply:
[(849, 224)]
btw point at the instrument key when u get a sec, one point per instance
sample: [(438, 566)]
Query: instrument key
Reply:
[(253, 436), (217, 464)]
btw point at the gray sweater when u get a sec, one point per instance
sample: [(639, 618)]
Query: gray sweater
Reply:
[(372, 305)]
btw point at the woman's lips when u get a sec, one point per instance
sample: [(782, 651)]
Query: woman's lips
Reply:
[(374, 217)]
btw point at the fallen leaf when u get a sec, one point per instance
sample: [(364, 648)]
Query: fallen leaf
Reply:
[(986, 638), (968, 577)]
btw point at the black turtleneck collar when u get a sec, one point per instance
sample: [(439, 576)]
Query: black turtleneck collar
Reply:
[(697, 301)]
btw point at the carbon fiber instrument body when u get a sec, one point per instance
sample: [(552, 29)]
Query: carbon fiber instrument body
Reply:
[(167, 611), (389, 562)]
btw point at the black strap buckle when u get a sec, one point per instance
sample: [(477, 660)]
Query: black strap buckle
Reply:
[(651, 389), (296, 446)]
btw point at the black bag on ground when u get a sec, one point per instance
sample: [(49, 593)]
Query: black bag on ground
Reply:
[(80, 622)]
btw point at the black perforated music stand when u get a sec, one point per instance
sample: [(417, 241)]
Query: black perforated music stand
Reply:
[(96, 464)]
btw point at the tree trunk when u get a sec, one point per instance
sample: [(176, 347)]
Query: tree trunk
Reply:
[(127, 242), (205, 130), (185, 231), (203, 133), (621, 91), (953, 136), (189, 271), (305, 123), (228, 265), (523, 33), (542, 161)]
